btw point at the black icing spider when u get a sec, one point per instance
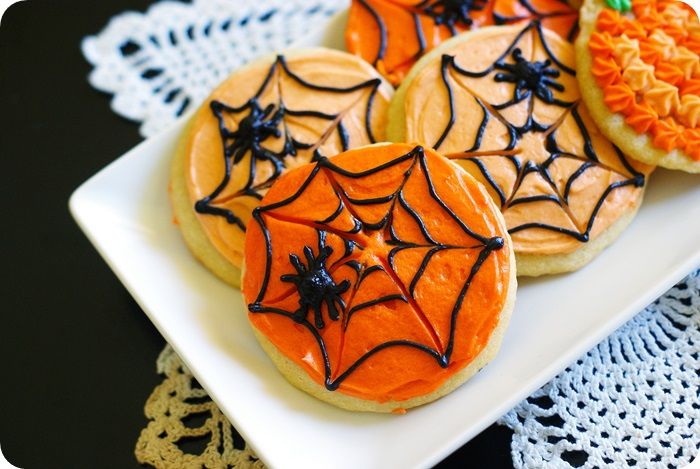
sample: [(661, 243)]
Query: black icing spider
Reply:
[(316, 286), (450, 12), (529, 76), (259, 125)]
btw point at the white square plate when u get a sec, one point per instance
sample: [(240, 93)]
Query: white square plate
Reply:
[(124, 211)]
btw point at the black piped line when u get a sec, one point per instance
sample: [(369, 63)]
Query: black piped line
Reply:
[(382, 31), (442, 359)]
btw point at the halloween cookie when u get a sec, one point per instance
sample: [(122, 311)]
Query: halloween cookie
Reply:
[(639, 71), (273, 115), (393, 34), (379, 279), (503, 102)]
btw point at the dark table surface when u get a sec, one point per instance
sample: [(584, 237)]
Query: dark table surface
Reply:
[(78, 354)]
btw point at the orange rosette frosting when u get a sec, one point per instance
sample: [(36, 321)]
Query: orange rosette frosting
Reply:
[(273, 115), (394, 34), (381, 272), (504, 104), (646, 61)]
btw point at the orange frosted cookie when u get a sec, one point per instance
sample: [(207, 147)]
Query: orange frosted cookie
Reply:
[(379, 279), (503, 103), (639, 67), (271, 116), (393, 34)]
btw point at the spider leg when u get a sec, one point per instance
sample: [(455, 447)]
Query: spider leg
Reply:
[(505, 66), (296, 262), (266, 155), (323, 254), (551, 72), (300, 314), (268, 109), (553, 84), (521, 92), (342, 287), (318, 318), (310, 260), (505, 77), (545, 94), (238, 151), (332, 310), (290, 278)]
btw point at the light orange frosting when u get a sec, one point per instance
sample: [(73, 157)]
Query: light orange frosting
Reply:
[(638, 75), (648, 85), (689, 110), (662, 97), (535, 148), (625, 51), (308, 119)]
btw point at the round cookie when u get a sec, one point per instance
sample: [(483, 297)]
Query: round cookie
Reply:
[(379, 279), (393, 34), (639, 72), (503, 102), (275, 114)]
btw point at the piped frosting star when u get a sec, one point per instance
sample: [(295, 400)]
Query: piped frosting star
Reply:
[(626, 50), (689, 110), (663, 98), (639, 76)]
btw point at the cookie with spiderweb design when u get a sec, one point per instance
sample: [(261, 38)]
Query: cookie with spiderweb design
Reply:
[(379, 279), (276, 114), (393, 34), (507, 109)]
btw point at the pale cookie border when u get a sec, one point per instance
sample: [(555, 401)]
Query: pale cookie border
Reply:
[(534, 265)]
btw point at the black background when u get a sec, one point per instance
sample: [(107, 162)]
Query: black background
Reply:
[(78, 355)]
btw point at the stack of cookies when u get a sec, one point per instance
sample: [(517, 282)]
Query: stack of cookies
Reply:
[(380, 276)]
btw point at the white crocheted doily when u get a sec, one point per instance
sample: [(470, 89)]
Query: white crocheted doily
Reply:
[(162, 63), (632, 401)]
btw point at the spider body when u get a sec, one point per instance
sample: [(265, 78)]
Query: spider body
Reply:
[(259, 125), (451, 12), (529, 77), (316, 286)]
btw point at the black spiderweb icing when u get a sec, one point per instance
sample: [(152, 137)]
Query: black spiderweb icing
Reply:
[(258, 129), (325, 290), (453, 13), (533, 81), (566, 11)]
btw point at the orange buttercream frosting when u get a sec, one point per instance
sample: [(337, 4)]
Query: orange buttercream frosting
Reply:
[(393, 34), (269, 117), (381, 272), (657, 85), (505, 104)]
